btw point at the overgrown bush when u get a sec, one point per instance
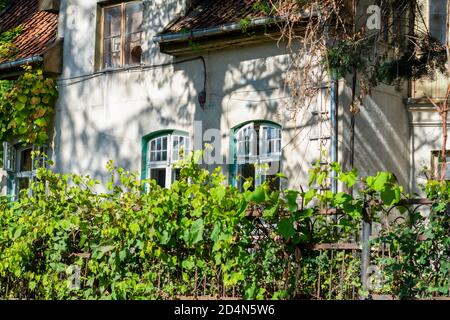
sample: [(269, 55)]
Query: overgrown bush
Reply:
[(201, 237)]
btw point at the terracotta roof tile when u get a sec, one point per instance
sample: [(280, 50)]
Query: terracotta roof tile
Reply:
[(39, 27), (213, 13)]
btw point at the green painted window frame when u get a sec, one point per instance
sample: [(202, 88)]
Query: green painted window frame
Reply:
[(233, 166), (154, 135)]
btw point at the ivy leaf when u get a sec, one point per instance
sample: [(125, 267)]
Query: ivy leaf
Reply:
[(22, 98), (309, 195), (197, 231), (258, 195), (291, 197), (134, 228), (269, 213), (188, 264), (20, 106), (286, 228), (215, 233), (379, 182), (18, 233), (390, 196), (349, 178), (41, 122), (165, 237), (342, 198)]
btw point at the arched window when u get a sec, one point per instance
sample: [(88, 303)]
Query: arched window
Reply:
[(257, 153), (161, 151)]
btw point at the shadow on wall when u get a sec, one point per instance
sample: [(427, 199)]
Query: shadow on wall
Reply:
[(382, 135), (104, 116)]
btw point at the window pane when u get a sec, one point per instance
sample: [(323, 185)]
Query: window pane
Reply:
[(23, 184), (26, 163), (112, 21), (133, 45), (134, 17), (159, 175), (158, 144), (164, 156), (112, 48), (153, 145), (176, 174), (270, 175), (247, 171), (438, 20)]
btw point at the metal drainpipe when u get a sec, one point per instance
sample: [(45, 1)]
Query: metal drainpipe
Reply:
[(230, 27), (18, 63), (334, 127)]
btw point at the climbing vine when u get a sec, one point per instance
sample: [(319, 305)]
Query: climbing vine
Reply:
[(7, 48), (26, 107)]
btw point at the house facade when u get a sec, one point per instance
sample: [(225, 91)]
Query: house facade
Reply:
[(143, 81)]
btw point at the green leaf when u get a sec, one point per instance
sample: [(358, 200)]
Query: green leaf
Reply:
[(18, 233), (215, 233), (197, 231), (349, 178), (188, 264), (135, 228), (165, 237), (390, 196), (309, 195), (291, 197), (269, 213), (286, 228), (258, 195)]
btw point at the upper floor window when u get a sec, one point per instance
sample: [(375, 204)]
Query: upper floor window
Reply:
[(258, 153), (438, 20), (122, 34), (437, 165), (162, 152)]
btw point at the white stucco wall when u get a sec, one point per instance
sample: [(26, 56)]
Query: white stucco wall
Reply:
[(427, 137), (104, 116)]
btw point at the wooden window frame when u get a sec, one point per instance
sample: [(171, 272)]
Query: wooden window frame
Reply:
[(100, 56)]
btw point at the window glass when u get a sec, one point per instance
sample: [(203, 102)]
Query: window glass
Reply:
[(258, 154), (181, 147), (112, 46), (134, 19), (246, 171), (122, 34), (163, 153), (159, 175), (26, 163), (438, 20)]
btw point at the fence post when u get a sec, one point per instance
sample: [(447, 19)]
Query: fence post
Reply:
[(365, 253)]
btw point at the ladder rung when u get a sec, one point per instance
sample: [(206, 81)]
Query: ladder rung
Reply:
[(319, 112), (323, 138)]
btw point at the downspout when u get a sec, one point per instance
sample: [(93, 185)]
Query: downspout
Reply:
[(334, 127), (20, 62)]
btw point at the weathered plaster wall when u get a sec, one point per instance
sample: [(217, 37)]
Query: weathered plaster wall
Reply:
[(104, 116), (427, 136), (382, 133)]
